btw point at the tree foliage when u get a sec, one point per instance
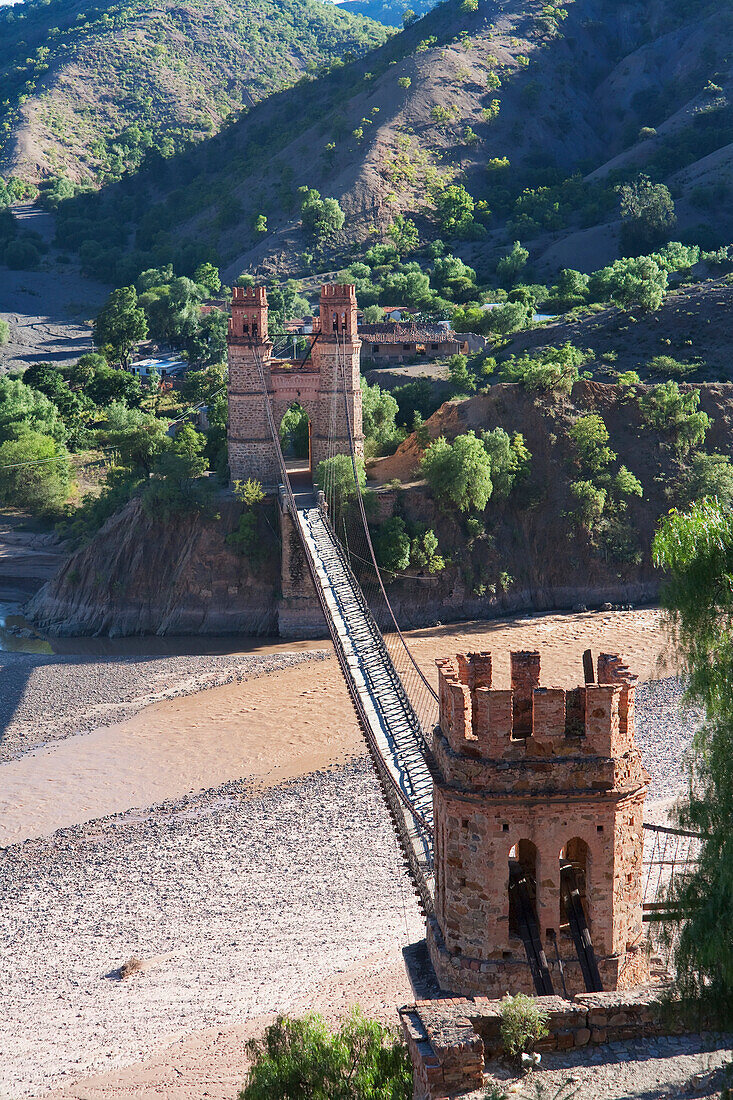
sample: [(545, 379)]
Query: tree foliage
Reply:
[(34, 473), (548, 369), (121, 324), (695, 549), (459, 473), (303, 1059)]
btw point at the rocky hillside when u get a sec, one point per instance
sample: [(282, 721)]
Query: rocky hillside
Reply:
[(538, 110), (693, 326), (87, 87)]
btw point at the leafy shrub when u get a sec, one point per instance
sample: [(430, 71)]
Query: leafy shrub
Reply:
[(523, 1024), (459, 473), (509, 458), (590, 501), (34, 473), (361, 1061), (709, 475), (589, 436), (4, 332), (671, 367), (424, 552), (509, 266), (667, 409), (250, 492), (392, 545), (549, 369)]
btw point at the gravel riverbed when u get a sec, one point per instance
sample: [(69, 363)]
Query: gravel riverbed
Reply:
[(237, 902), (47, 698)]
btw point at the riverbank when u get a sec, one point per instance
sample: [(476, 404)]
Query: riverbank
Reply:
[(232, 837)]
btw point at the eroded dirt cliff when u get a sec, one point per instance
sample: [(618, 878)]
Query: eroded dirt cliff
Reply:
[(141, 576)]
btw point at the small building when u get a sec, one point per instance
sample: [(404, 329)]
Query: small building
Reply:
[(167, 366), (396, 313), (394, 343), (299, 326)]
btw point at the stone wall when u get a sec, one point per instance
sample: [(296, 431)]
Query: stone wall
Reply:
[(451, 1039)]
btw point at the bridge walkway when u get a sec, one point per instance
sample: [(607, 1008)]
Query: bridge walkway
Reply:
[(387, 717)]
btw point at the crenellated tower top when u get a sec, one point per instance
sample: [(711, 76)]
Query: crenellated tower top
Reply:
[(338, 311), (248, 322)]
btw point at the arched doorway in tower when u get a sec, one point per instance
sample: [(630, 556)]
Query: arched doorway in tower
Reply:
[(522, 885), (295, 440), (574, 879)]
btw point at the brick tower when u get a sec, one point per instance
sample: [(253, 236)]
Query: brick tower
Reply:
[(549, 781), (317, 385), (337, 348), (251, 452)]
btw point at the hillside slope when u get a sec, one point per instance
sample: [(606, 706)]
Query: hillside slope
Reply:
[(693, 325), (575, 104), (79, 79)]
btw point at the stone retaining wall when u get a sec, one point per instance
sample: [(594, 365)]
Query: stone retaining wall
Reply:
[(451, 1038)]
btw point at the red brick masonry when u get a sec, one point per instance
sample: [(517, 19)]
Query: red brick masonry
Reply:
[(539, 775)]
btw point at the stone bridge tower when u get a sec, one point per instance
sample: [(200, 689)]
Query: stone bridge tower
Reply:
[(318, 385), (539, 778)]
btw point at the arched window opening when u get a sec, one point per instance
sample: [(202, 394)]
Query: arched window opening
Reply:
[(522, 884), (573, 878), (295, 435)]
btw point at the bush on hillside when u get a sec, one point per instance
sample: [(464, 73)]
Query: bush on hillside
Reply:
[(677, 414), (459, 473), (34, 473), (302, 1058), (547, 370)]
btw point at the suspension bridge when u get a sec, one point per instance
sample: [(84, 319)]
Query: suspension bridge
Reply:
[(395, 703)]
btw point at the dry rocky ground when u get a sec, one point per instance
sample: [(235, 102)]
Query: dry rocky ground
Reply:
[(242, 900)]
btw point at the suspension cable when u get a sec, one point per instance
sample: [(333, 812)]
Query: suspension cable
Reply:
[(364, 520)]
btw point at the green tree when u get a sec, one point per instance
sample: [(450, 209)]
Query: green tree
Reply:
[(322, 218), (709, 475), (4, 332), (677, 414), (459, 473), (138, 437), (647, 213), (373, 315), (590, 438), (455, 210), (589, 503), (509, 267), (301, 1058), (379, 410), (207, 276), (695, 549), (23, 408), (34, 473), (109, 385), (200, 386), (461, 379), (548, 369), (392, 545), (335, 478), (403, 231), (175, 486), (510, 459), (295, 432), (120, 325)]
